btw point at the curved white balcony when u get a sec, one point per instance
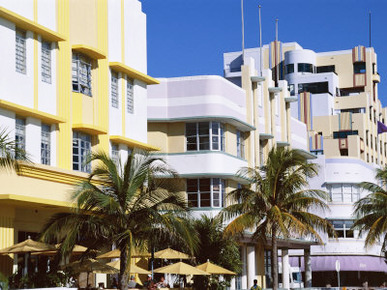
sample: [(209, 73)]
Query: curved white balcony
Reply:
[(205, 163)]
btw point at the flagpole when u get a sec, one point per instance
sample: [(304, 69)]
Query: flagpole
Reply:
[(243, 34), (260, 40)]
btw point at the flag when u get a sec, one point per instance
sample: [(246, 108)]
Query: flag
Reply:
[(381, 127)]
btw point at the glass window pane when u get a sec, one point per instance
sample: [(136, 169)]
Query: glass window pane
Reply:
[(203, 128), (205, 184)]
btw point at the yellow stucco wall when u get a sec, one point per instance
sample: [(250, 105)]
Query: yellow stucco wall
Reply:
[(83, 24)]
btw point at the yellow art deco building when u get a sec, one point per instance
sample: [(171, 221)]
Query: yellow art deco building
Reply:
[(73, 79)]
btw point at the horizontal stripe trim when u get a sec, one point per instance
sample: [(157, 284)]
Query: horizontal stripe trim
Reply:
[(202, 100), (91, 52), (29, 112), (132, 73), (89, 129), (31, 199), (203, 118), (202, 152), (133, 143)]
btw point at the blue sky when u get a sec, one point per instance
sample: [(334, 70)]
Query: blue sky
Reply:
[(189, 37)]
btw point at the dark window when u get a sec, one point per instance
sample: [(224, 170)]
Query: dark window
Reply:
[(353, 110), (350, 91), (374, 68), (305, 67), (206, 192), (325, 69), (314, 88), (343, 228), (290, 68), (359, 68), (291, 89), (344, 134), (205, 136)]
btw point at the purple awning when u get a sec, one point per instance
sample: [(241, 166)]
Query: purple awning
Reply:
[(347, 263)]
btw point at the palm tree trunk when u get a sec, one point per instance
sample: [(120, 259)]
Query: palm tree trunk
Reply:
[(274, 260), (123, 276)]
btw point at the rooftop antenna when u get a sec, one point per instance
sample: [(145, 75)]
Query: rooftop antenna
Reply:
[(243, 35), (369, 27), (260, 39), (276, 29)]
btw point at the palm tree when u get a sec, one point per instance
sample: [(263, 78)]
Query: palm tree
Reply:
[(278, 203), (215, 247), (125, 205), (10, 152), (371, 211)]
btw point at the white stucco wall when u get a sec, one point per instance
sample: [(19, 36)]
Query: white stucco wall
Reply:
[(23, 7), (15, 87), (114, 30), (47, 13), (135, 36), (47, 96), (136, 123)]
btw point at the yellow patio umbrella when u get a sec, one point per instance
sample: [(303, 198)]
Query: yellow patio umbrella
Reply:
[(27, 246), (78, 249), (180, 268), (170, 254), (117, 254), (214, 269), (91, 266), (134, 269)]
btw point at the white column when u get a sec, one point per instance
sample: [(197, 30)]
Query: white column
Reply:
[(251, 265), (308, 268), (244, 268), (232, 284), (285, 268)]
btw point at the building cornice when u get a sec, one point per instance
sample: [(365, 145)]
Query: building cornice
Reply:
[(132, 73), (26, 24)]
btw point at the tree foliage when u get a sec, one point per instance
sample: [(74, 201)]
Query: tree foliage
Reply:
[(123, 204), (278, 204), (371, 211)]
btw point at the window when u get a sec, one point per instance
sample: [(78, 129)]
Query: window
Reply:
[(114, 89), (45, 145), (353, 110), (206, 192), (343, 228), (204, 136), (81, 150), (115, 154), (291, 89), (343, 192), (81, 74), (305, 67), (240, 144), (290, 68), (129, 96), (46, 62), (262, 144), (359, 68), (20, 135), (325, 69), (21, 51), (344, 134), (314, 88)]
